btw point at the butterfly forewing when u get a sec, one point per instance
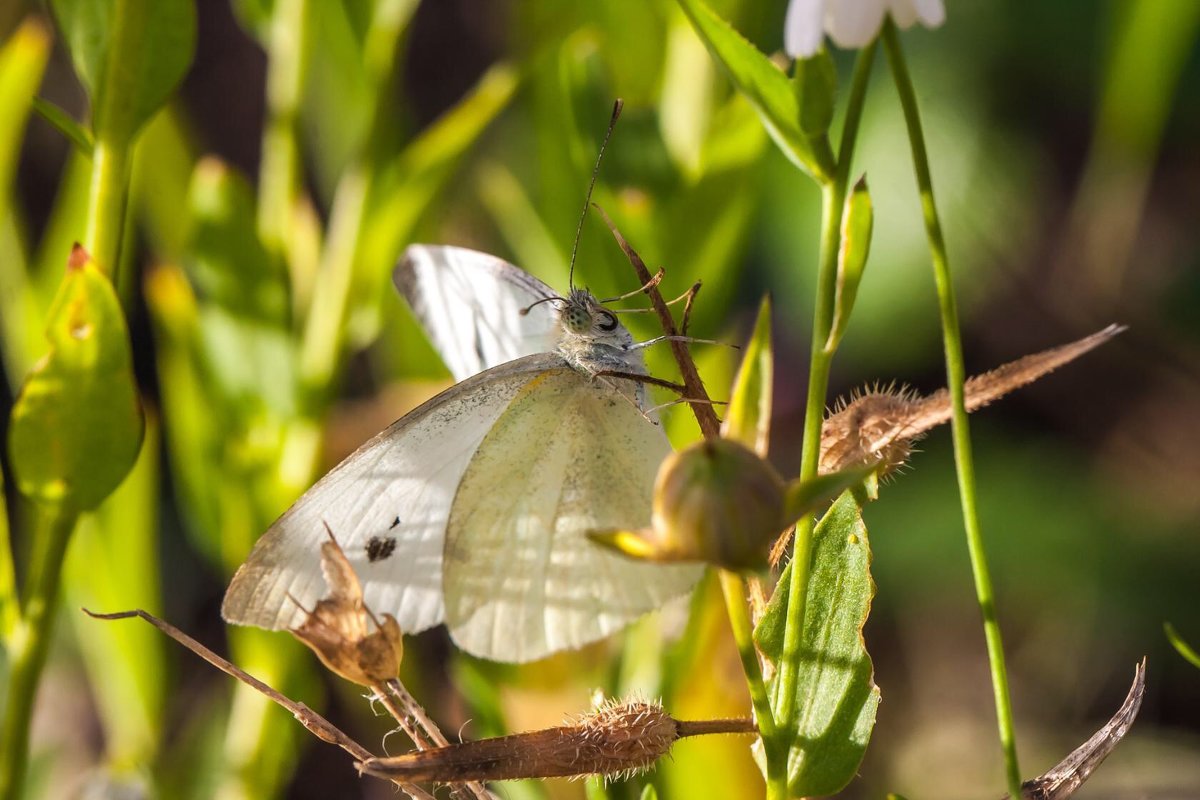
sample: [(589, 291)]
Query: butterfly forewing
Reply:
[(569, 454), (470, 304), (387, 504)]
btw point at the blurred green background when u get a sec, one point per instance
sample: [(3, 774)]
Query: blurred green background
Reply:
[(311, 141)]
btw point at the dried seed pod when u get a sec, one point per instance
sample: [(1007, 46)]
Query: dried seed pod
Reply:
[(617, 740), (881, 425)]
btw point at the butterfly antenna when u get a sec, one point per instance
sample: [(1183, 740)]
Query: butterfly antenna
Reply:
[(612, 123)]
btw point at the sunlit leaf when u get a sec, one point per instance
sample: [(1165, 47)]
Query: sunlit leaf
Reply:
[(837, 696), (77, 423), (858, 219), (767, 88), (408, 185), (748, 418), (22, 63), (129, 55)]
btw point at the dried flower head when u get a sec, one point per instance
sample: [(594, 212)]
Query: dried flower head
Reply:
[(881, 425), (343, 632)]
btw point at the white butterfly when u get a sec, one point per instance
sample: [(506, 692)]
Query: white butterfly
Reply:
[(471, 509)]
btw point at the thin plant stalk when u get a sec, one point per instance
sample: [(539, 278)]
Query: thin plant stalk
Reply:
[(324, 332), (286, 71), (30, 642), (733, 586), (956, 375), (106, 202), (833, 201)]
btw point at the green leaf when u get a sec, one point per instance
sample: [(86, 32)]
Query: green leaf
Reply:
[(648, 792), (129, 54), (858, 219), (77, 423), (22, 63), (766, 87), (815, 84), (838, 700), (406, 187), (226, 261), (748, 420), (804, 497), (76, 134), (1182, 647)]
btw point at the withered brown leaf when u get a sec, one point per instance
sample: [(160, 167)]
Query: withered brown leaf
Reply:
[(347, 637)]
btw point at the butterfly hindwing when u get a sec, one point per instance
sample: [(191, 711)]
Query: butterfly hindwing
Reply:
[(570, 453), (470, 304), (387, 504)]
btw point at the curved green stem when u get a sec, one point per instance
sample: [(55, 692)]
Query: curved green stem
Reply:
[(29, 643), (956, 374), (734, 588), (832, 206)]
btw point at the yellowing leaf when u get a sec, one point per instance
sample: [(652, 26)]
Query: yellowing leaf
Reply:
[(748, 420), (77, 423)]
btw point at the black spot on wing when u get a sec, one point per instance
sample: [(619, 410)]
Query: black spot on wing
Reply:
[(380, 547)]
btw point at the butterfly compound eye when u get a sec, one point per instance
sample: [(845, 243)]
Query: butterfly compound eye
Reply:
[(576, 318)]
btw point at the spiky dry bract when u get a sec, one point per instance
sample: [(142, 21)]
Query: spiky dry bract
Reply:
[(882, 423), (627, 737), (873, 427)]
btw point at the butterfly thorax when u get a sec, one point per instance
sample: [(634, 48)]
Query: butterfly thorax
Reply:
[(592, 340)]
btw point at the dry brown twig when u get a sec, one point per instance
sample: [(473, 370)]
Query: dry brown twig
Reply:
[(320, 727)]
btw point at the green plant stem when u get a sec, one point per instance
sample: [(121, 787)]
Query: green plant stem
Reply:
[(286, 72), (107, 197), (832, 206), (734, 588), (956, 374), (30, 642)]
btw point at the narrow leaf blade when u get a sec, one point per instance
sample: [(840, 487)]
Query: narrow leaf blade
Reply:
[(748, 419), (766, 87)]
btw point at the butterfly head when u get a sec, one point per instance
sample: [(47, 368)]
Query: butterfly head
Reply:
[(581, 314)]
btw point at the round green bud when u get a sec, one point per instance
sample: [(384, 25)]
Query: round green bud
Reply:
[(717, 501)]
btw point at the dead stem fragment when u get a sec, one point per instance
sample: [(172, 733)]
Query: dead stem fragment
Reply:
[(320, 727), (1069, 774), (619, 739)]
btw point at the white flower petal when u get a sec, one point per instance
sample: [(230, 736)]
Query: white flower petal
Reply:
[(904, 12), (932, 13), (802, 32), (854, 23)]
